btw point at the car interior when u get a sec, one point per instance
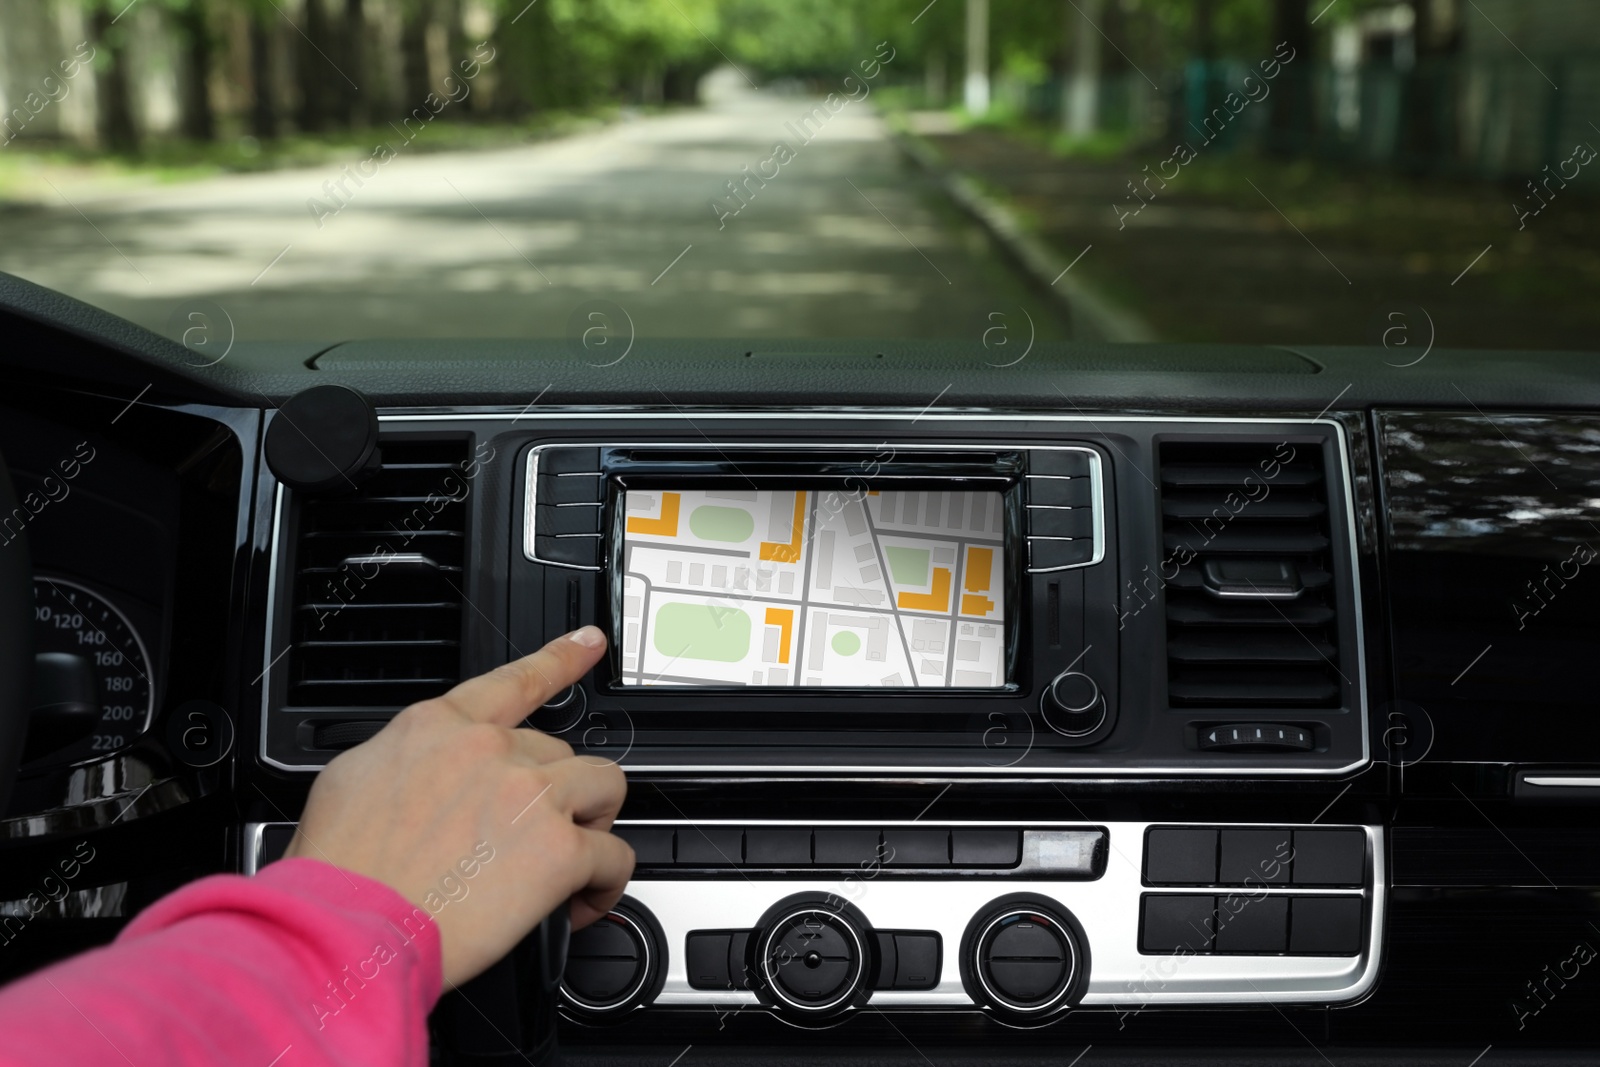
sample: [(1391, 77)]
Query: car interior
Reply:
[(1154, 700)]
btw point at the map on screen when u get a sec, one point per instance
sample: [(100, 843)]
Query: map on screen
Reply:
[(759, 587)]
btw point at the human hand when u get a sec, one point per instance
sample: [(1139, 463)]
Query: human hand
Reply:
[(488, 827)]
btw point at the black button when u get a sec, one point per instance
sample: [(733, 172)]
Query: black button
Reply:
[(739, 970), (706, 961), (1254, 857), (916, 848), (715, 846), (578, 551), (777, 847), (651, 844), (569, 460), (551, 520), (1061, 522), (1180, 856), (1048, 461), (569, 489), (1178, 922), (1045, 553), (1325, 926), (916, 961), (887, 958), (1061, 492), (1252, 924), (985, 848), (1330, 857), (847, 848)]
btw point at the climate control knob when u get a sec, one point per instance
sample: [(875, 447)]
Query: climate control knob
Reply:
[(1073, 704), (615, 963), (812, 957), (1025, 957)]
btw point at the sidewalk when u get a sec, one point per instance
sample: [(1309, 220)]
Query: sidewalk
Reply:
[(1263, 251)]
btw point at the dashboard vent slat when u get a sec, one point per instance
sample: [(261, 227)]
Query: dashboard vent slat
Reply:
[(1233, 506), (377, 599)]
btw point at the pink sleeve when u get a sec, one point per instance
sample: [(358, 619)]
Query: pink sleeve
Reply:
[(303, 965)]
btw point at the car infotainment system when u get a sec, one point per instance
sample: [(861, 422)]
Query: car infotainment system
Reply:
[(831, 587), (891, 594), (758, 593)]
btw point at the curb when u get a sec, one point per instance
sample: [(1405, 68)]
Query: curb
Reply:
[(1091, 316)]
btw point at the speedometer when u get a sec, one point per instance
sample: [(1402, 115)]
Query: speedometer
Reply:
[(89, 638)]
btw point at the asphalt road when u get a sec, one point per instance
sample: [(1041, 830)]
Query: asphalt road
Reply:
[(846, 240)]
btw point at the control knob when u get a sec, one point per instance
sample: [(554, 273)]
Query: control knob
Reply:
[(1025, 957), (615, 963), (812, 958), (1073, 704)]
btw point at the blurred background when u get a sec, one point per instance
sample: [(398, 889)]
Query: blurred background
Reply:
[(1275, 171)]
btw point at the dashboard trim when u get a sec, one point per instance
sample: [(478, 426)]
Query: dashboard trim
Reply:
[(267, 660)]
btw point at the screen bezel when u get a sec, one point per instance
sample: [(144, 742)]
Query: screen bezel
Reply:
[(856, 487)]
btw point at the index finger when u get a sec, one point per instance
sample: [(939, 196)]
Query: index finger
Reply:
[(508, 693)]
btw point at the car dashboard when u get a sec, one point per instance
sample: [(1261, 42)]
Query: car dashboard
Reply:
[(1170, 700)]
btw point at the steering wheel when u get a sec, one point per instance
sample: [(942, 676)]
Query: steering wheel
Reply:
[(16, 634)]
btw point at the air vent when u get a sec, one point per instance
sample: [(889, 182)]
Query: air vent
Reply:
[(378, 583), (1252, 615)]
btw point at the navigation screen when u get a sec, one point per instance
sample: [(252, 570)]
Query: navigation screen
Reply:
[(823, 587)]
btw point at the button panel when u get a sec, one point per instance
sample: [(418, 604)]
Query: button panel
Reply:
[(772, 850), (1316, 857), (1063, 510), (566, 496)]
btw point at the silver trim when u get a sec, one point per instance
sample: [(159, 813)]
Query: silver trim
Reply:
[(267, 661), (250, 861), (936, 774), (1107, 909), (1257, 595), (398, 557), (1563, 781)]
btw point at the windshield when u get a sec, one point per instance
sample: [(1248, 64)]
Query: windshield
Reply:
[(999, 171)]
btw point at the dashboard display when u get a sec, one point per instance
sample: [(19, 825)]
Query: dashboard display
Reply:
[(94, 656), (813, 587)]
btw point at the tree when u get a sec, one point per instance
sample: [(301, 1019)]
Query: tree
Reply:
[(313, 64), (1290, 120), (196, 117), (1081, 106), (118, 130), (975, 88), (263, 83), (352, 102), (415, 75)]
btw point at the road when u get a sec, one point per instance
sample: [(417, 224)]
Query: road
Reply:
[(846, 240)]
